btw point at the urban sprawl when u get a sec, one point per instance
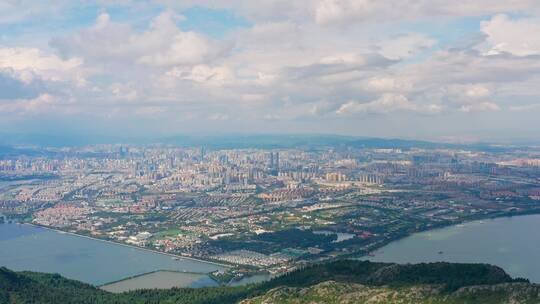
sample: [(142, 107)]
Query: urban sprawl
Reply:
[(264, 210)]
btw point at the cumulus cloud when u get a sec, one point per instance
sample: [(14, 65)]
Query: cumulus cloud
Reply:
[(186, 48), (40, 104), (252, 98), (467, 94), (387, 84), (484, 106), (162, 44), (17, 11), (203, 74), (477, 91), (519, 37), (321, 64), (27, 63), (340, 12), (385, 104), (11, 87), (336, 64), (123, 91), (344, 12), (405, 46)]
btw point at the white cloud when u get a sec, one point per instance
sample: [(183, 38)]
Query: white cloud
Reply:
[(477, 91), (466, 93), (346, 12), (123, 92), (252, 98), (484, 106), (387, 84), (30, 62), (16, 11), (405, 46), (185, 48), (384, 104), (263, 35), (40, 104), (163, 44), (305, 62), (520, 37), (203, 74)]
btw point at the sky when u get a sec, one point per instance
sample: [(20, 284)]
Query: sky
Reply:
[(455, 71)]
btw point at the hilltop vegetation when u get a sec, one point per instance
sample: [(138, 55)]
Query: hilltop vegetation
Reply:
[(348, 293), (343, 281)]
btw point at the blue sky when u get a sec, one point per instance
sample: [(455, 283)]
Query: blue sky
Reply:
[(432, 70), (213, 22)]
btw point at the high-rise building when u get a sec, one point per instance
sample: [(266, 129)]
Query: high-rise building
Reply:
[(227, 179), (123, 152), (271, 164), (202, 153)]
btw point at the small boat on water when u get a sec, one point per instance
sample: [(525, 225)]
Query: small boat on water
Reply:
[(440, 252)]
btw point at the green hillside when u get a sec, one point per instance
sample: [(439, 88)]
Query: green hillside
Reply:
[(343, 281), (347, 293)]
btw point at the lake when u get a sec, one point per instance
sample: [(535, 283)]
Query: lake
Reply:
[(161, 280), (512, 243), (26, 247)]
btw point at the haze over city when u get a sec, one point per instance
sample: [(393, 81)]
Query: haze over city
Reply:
[(434, 70)]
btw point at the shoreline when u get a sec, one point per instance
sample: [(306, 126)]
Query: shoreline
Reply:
[(384, 244), (347, 256), (180, 257), (358, 255)]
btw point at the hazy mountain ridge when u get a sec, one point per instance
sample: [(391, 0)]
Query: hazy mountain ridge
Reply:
[(345, 281), (236, 141), (222, 141)]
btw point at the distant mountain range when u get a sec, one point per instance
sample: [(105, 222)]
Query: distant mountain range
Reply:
[(236, 141), (345, 281)]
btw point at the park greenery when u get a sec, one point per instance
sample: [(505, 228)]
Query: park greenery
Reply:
[(31, 287)]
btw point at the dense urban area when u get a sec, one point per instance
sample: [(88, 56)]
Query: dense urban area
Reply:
[(264, 210)]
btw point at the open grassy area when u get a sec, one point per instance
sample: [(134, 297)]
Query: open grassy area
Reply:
[(168, 233)]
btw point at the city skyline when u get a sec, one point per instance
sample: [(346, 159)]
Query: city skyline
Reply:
[(432, 71), (273, 208)]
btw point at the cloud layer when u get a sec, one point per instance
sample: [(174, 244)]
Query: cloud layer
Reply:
[(361, 67)]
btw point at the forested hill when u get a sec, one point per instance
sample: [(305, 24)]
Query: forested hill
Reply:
[(336, 282)]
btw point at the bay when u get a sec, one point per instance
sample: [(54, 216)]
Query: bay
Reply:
[(26, 247), (512, 243), (161, 280)]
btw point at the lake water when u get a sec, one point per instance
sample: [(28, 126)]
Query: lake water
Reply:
[(161, 280), (25, 247), (512, 243)]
